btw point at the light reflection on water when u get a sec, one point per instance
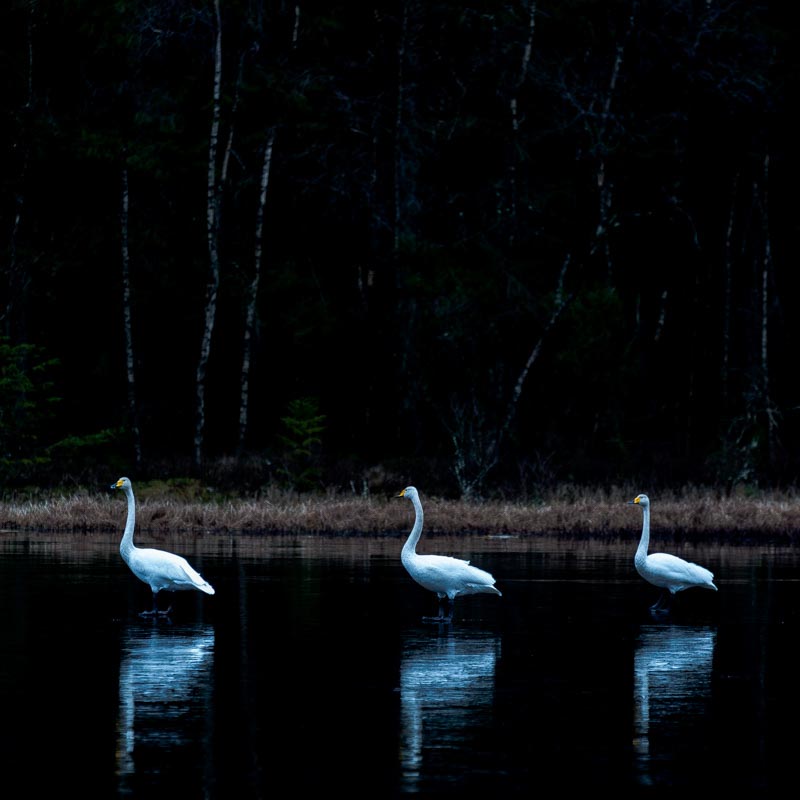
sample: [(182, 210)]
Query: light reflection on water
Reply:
[(310, 670), (165, 689), (672, 687), (446, 693)]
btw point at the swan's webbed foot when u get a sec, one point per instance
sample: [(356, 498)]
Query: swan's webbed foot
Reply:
[(155, 611), (663, 602)]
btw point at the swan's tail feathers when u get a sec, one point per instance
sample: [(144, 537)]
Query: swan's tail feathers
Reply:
[(195, 578), (484, 588), (704, 577)]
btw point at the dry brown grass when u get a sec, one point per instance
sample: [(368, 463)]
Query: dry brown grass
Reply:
[(570, 511)]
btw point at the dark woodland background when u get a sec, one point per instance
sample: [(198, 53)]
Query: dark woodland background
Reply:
[(483, 248)]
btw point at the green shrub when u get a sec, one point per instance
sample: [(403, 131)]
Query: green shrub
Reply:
[(301, 439)]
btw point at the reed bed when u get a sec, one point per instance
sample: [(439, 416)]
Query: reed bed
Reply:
[(570, 511)]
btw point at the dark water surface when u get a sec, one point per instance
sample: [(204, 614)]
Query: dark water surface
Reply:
[(310, 670)]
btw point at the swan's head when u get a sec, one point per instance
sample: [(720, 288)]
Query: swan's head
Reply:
[(410, 492), (122, 483), (640, 500)]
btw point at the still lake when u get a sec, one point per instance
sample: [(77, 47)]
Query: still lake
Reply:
[(311, 670)]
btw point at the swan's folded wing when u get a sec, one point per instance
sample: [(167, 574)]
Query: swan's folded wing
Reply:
[(677, 571)]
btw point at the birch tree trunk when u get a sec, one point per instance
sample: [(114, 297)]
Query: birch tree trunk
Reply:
[(605, 192), (766, 270), (604, 186), (727, 298), (476, 442), (250, 314), (212, 234), (399, 135), (514, 109), (296, 26), (130, 371), (12, 315)]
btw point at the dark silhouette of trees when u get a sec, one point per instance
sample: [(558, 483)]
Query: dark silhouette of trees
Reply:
[(502, 245)]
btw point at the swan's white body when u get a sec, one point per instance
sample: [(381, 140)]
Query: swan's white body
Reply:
[(666, 571), (159, 569), (448, 577)]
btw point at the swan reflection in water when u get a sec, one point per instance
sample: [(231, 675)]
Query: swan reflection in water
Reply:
[(446, 693), (672, 687), (165, 685)]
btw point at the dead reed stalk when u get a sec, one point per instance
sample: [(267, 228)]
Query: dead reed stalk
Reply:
[(572, 511)]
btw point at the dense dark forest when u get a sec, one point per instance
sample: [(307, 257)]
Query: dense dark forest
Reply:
[(481, 248)]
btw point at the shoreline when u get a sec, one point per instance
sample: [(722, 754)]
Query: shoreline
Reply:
[(699, 515)]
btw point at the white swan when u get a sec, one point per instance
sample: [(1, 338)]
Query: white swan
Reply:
[(447, 576), (670, 573), (157, 568)]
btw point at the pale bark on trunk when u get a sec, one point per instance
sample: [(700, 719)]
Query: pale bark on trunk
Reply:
[(212, 234), (662, 315), (18, 279), (604, 188), (226, 157), (766, 270), (561, 303), (398, 132), (250, 314), (601, 241), (727, 297), (476, 443), (130, 372), (514, 111), (296, 26)]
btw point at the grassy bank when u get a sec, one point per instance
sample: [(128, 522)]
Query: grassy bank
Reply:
[(571, 511)]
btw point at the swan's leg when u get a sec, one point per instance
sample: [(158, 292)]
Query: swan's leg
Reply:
[(155, 611), (158, 612), (444, 606), (663, 601), (657, 605)]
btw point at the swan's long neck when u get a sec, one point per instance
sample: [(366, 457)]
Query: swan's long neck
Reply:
[(410, 547), (644, 542), (126, 546)]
